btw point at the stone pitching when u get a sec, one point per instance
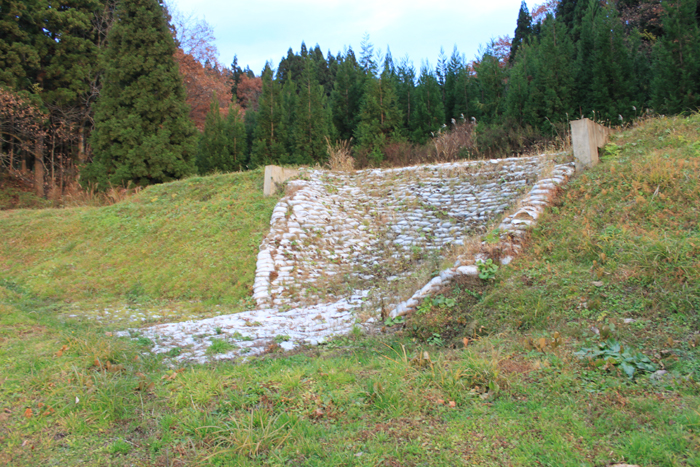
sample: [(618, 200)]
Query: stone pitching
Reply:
[(333, 234)]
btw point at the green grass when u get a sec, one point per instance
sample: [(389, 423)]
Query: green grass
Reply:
[(505, 388), (190, 241), (623, 243)]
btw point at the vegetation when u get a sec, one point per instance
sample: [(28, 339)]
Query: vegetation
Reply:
[(184, 247), (223, 145), (609, 61), (502, 371), (142, 131)]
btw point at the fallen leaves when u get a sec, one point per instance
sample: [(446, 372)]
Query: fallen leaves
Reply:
[(145, 385), (60, 352), (43, 410), (106, 366), (450, 404), (173, 375), (543, 344)]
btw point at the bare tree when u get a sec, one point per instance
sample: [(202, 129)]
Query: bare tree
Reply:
[(194, 36)]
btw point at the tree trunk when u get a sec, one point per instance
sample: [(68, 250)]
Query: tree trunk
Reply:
[(39, 167), (81, 145)]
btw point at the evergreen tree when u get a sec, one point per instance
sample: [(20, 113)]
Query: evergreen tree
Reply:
[(222, 145), (523, 31), (584, 58), (237, 139), (367, 62), (142, 130), (332, 71), (312, 122), (641, 72), (519, 102), (52, 52), (551, 94), (574, 21), (464, 95), (270, 135), (389, 67), (490, 77), (441, 72), (406, 90), (612, 86), (19, 32), (347, 96), (236, 73), (457, 89), (676, 56), (212, 150), (323, 71), (380, 116), (289, 109), (250, 122), (565, 12), (284, 67), (429, 113)]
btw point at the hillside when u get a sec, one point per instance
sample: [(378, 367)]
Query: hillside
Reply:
[(184, 247), (582, 351)]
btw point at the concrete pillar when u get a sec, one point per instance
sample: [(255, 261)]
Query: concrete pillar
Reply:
[(586, 137), (275, 176)]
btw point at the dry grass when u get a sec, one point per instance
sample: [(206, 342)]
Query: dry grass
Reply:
[(76, 196), (340, 156), (458, 141)]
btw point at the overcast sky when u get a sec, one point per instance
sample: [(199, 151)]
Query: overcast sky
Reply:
[(258, 31)]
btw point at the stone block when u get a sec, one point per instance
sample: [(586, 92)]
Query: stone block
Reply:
[(274, 176), (586, 137)]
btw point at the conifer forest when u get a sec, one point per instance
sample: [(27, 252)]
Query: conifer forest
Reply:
[(112, 93)]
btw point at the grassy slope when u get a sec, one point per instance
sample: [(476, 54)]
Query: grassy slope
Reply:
[(623, 243), (193, 240), (615, 248)]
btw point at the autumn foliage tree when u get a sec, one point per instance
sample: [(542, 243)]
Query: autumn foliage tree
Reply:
[(249, 90), (22, 123), (197, 58), (202, 83)]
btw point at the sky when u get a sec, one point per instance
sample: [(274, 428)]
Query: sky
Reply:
[(261, 31)]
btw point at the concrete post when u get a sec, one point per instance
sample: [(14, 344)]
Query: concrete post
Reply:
[(274, 176), (586, 137)]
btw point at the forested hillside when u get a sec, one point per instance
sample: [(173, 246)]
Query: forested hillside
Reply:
[(70, 75)]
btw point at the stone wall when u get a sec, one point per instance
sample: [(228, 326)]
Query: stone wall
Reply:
[(337, 240), (362, 224)]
